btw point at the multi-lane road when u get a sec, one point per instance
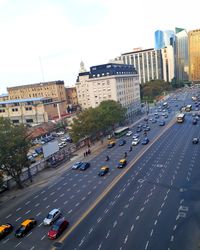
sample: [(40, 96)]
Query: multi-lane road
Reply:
[(153, 203)]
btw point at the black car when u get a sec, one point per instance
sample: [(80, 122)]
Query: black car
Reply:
[(194, 121), (25, 227), (195, 140), (147, 129), (84, 166), (145, 141), (122, 142), (161, 123), (139, 129)]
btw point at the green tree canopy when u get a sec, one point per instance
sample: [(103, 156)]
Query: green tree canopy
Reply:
[(94, 121), (14, 146)]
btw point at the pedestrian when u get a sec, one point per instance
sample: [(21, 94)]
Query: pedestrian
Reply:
[(89, 152), (84, 154)]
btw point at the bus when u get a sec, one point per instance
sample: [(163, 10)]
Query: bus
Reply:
[(121, 131), (180, 118), (188, 108)]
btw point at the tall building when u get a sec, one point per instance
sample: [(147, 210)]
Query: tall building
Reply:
[(194, 55), (168, 63), (164, 38), (112, 81), (181, 55), (148, 63)]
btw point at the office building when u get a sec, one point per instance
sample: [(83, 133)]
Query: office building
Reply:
[(168, 63), (194, 55), (181, 55), (147, 62), (164, 38), (112, 81)]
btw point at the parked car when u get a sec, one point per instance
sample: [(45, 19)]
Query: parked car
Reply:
[(25, 227), (84, 166), (58, 227), (52, 216)]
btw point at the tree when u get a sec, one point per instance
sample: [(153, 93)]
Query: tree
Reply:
[(14, 146), (93, 122)]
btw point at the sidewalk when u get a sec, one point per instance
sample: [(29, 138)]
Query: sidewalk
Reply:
[(51, 174)]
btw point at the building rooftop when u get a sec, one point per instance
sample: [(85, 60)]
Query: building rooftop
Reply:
[(25, 100), (138, 51), (36, 84)]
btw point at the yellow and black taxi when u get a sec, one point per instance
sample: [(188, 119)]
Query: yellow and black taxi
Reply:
[(5, 229), (122, 163), (104, 170), (111, 143), (25, 227)]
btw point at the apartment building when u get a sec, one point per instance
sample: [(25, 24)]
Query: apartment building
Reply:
[(112, 81), (29, 111), (71, 96)]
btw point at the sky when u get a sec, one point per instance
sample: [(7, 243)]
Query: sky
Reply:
[(45, 40)]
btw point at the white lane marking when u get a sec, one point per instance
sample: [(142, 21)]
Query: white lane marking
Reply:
[(29, 234), (163, 204), (52, 193), (27, 202), (108, 233), (100, 245), (18, 218), (48, 206), (43, 192), (38, 214), (18, 244), (58, 188), (83, 198), (155, 222), (36, 205), (121, 214), (175, 226), (165, 197), (132, 227), (159, 213), (19, 208), (78, 190), (45, 198), (27, 212), (68, 189), (65, 202), (91, 229), (181, 201), (142, 209), (106, 210), (114, 224), (35, 197), (70, 211), (125, 240), (32, 247), (89, 192), (8, 216), (43, 237), (137, 218), (151, 232), (126, 206), (99, 219), (77, 204), (147, 245), (65, 184), (72, 197), (40, 224), (82, 241), (5, 241), (55, 200), (62, 195), (172, 238)]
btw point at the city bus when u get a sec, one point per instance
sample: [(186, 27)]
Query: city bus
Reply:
[(188, 108), (121, 131), (180, 118)]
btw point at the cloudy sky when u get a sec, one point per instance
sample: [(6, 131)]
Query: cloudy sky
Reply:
[(45, 40)]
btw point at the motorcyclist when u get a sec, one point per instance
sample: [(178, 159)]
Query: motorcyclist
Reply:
[(130, 149), (125, 155), (107, 158)]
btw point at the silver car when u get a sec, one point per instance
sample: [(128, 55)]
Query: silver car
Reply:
[(52, 216)]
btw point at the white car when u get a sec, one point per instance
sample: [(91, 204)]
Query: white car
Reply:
[(52, 216), (135, 141), (129, 133), (135, 136)]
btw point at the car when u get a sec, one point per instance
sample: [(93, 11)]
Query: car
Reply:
[(145, 141), (52, 216), (122, 142), (166, 115), (147, 129), (84, 166), (25, 227), (153, 121), (5, 229), (135, 136), (104, 170), (146, 119), (195, 140), (139, 130), (135, 141), (161, 123), (111, 143), (129, 133), (122, 163), (57, 228), (194, 121), (77, 165)]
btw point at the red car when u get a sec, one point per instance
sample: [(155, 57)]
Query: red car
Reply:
[(58, 227)]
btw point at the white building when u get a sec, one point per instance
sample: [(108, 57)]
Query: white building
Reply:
[(112, 81), (168, 63)]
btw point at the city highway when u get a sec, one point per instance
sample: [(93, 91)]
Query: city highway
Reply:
[(151, 179), (155, 205)]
